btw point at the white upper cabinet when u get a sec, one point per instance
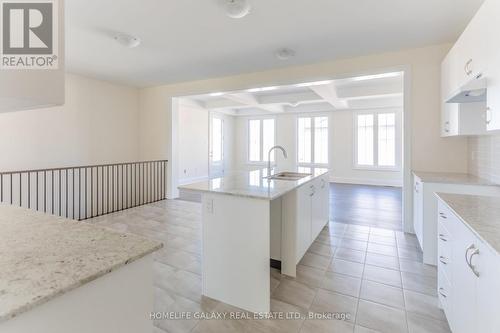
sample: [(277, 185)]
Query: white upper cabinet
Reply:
[(491, 13), (476, 55), (36, 80)]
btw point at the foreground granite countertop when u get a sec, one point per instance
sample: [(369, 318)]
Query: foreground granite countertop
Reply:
[(480, 213), (44, 256), (253, 184), (452, 178)]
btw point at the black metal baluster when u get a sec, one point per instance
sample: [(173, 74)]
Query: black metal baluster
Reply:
[(45, 192), (11, 201), (85, 206), (107, 190), (91, 191), (102, 189), (29, 190), (20, 189), (79, 193), (122, 186), (73, 189), (113, 188), (36, 197), (52, 190), (97, 191), (67, 213), (126, 186), (60, 211)]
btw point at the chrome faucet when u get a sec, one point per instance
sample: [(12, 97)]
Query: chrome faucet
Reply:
[(269, 157)]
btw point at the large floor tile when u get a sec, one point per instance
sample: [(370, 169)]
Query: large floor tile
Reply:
[(420, 283), (326, 326), (350, 268), (382, 275), (276, 325), (329, 301), (342, 284), (294, 293), (350, 255), (381, 318), (423, 304), (321, 249), (422, 324), (381, 260), (419, 268), (353, 244), (313, 277), (382, 293), (383, 249), (315, 260)]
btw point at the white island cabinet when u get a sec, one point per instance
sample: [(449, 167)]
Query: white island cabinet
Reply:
[(469, 262), (249, 221)]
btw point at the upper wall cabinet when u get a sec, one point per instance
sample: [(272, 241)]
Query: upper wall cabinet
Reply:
[(475, 56), (32, 69)]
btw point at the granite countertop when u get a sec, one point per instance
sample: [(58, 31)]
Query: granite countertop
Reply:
[(480, 213), (452, 178), (253, 184), (44, 256)]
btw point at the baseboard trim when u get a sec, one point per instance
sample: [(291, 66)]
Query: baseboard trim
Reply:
[(360, 181)]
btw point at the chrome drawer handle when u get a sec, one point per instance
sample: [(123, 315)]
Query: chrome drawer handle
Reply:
[(443, 216), (444, 260), (443, 238), (442, 293)]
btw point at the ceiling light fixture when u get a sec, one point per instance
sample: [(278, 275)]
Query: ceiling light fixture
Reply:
[(237, 8), (285, 53), (311, 84), (376, 76), (253, 90), (217, 94), (127, 40)]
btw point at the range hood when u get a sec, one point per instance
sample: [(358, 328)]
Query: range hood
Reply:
[(472, 92)]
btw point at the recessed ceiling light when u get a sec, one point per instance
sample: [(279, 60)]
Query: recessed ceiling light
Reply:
[(237, 8), (310, 84), (376, 76), (285, 53), (261, 89), (217, 94), (127, 40)]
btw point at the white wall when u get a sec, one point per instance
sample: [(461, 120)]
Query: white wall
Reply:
[(193, 141), (98, 124)]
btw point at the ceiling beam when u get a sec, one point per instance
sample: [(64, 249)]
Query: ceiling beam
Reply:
[(329, 93), (248, 99)]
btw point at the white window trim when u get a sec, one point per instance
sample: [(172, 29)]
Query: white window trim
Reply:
[(312, 116), (261, 140), (398, 143)]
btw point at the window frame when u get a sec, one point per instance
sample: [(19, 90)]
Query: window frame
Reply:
[(313, 130), (263, 154), (398, 141)]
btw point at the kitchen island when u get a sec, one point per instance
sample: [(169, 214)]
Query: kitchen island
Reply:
[(59, 275), (249, 220)]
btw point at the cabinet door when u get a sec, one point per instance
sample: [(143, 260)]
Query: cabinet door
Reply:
[(304, 195), (491, 12), (464, 282), (487, 264), (418, 209)]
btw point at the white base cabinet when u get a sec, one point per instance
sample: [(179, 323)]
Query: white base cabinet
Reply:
[(425, 211), (468, 276)]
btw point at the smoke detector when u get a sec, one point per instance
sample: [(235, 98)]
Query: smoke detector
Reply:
[(285, 53), (127, 40), (237, 8)]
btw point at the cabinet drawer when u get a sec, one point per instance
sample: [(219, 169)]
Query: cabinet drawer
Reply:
[(445, 295), (445, 216), (444, 251)]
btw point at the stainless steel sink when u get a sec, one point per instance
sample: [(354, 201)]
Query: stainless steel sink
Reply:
[(288, 175)]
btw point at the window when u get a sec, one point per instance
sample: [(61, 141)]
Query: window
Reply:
[(261, 135), (312, 140), (376, 140)]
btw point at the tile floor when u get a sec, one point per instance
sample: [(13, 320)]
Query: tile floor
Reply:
[(374, 275)]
